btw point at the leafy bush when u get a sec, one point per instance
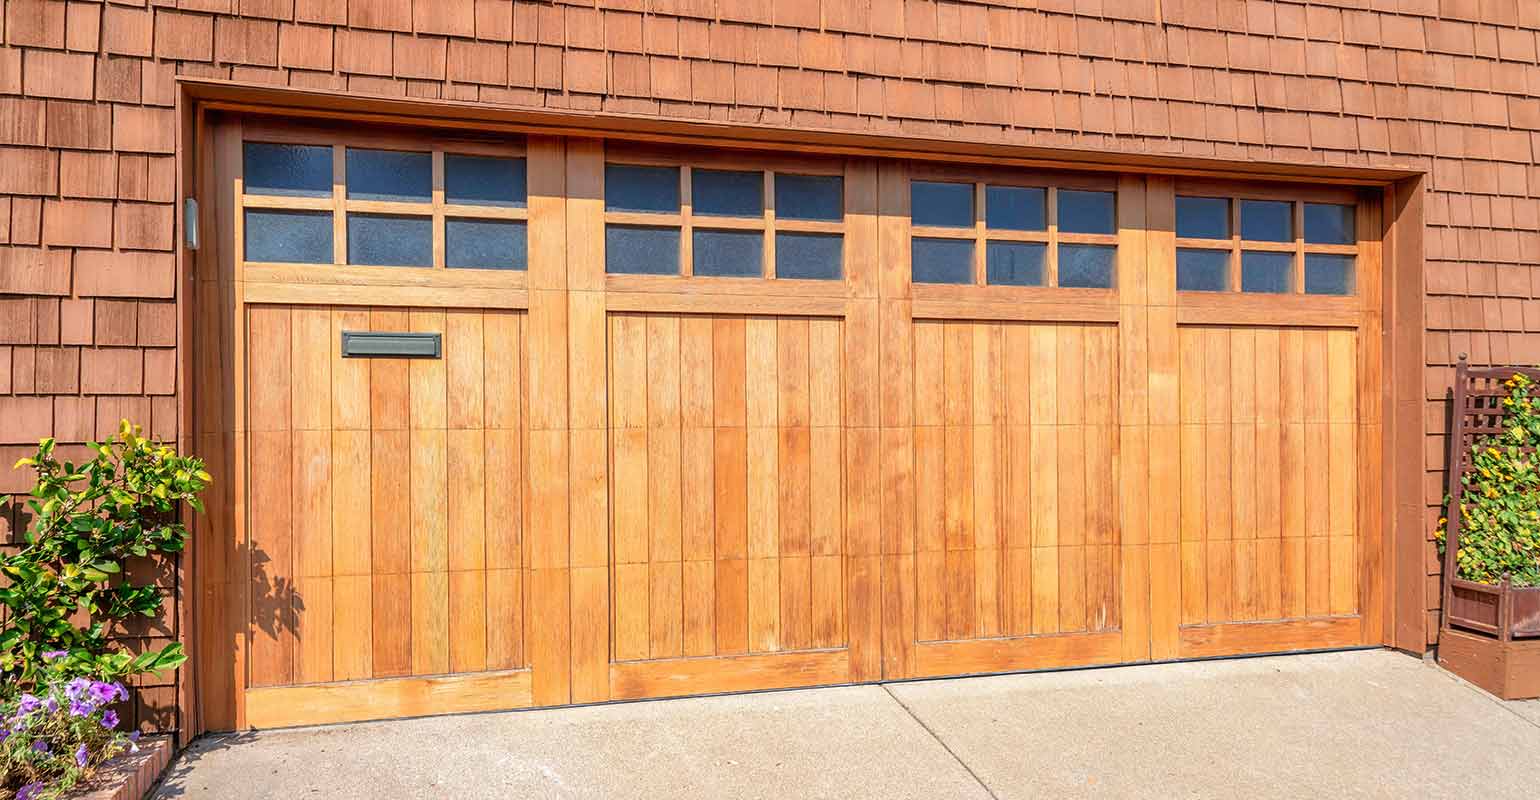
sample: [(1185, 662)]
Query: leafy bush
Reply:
[(65, 585), (51, 741), (1500, 512)]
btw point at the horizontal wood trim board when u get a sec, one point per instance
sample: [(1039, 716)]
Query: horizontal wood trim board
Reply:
[(403, 296), (356, 701), (1022, 312), (683, 676), (1010, 655), (235, 96), (664, 302), (1220, 315), (1270, 637)]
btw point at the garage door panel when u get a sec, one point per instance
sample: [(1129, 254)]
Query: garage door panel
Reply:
[(378, 549), (1269, 474), (1016, 528), (727, 477)]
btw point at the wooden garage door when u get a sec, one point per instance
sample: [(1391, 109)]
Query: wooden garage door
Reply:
[(721, 421), (1016, 517), (727, 487), (386, 508)]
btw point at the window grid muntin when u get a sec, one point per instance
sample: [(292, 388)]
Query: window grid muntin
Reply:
[(1052, 237), (341, 206), (686, 222), (1298, 248)]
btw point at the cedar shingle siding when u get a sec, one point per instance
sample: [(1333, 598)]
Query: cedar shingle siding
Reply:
[(87, 132)]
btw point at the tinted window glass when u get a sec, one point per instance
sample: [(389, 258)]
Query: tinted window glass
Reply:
[(945, 204), (389, 240), (389, 175), (1328, 223), (641, 250), (1015, 263), (1089, 266), (294, 170), (732, 194), (484, 180), (633, 188), (485, 244), (1328, 274), (941, 260), (1202, 217), (732, 253), (1267, 221), (1087, 212), (1267, 272), (1013, 208), (809, 255), (809, 197), (295, 237), (1202, 270)]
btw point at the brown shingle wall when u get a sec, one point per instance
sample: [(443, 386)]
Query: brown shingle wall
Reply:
[(87, 177)]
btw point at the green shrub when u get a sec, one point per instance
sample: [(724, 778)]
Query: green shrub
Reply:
[(65, 586), (1500, 511)]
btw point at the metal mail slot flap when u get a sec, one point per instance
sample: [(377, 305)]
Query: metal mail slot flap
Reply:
[(376, 344)]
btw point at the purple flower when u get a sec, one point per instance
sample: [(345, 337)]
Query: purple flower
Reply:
[(5, 733), (79, 709), (40, 746), (77, 688), (53, 654), (133, 737), (30, 791), (28, 704), (82, 755), (110, 719), (52, 705)]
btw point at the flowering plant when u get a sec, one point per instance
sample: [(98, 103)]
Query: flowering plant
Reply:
[(62, 589), (52, 740), (1500, 505)]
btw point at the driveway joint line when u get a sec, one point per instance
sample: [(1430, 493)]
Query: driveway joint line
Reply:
[(940, 741)]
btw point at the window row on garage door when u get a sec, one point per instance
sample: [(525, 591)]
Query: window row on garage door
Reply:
[(506, 422)]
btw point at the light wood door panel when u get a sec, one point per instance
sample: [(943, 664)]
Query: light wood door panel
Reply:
[(387, 497), (1270, 433), (727, 457), (1016, 509)]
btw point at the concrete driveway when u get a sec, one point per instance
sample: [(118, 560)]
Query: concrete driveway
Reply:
[(1353, 724)]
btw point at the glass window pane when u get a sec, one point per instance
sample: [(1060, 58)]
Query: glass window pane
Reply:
[(1015, 263), (1014, 208), (485, 180), (948, 205), (1329, 223), (1089, 266), (485, 244), (941, 260), (632, 188), (293, 237), (1267, 272), (1087, 212), (1326, 273), (738, 254), (1202, 270), (389, 175), (1203, 217), (809, 197), (389, 240), (1267, 221), (816, 256), (641, 250), (293, 170), (728, 194)]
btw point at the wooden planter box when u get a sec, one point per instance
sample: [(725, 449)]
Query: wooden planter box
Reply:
[(1491, 633), (1502, 611), (1509, 668)]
